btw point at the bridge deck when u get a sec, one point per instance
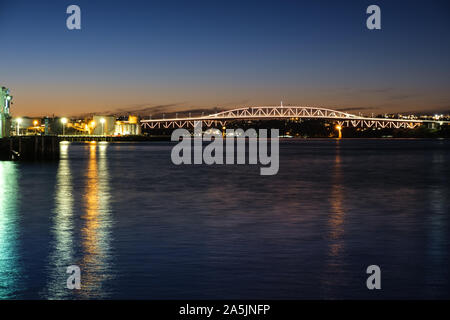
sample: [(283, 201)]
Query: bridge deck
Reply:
[(287, 112)]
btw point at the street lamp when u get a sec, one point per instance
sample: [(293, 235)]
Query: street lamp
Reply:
[(35, 125), (339, 128), (102, 121), (19, 121), (64, 121)]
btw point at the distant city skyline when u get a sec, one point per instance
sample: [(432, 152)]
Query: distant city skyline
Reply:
[(192, 55)]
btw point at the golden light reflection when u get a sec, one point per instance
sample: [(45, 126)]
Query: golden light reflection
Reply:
[(96, 267), (339, 129), (9, 267)]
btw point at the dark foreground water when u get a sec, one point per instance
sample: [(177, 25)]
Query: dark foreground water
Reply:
[(140, 227)]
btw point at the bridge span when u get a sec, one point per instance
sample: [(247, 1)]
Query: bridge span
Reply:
[(286, 112)]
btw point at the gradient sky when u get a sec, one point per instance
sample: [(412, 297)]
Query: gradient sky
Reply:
[(202, 54)]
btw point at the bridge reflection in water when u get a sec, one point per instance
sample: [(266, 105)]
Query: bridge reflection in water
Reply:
[(10, 271), (437, 245)]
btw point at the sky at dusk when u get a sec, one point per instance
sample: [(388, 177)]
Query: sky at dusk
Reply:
[(181, 55)]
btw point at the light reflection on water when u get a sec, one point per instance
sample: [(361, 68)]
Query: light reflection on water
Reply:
[(96, 231), (88, 247), (62, 252), (140, 227), (9, 231), (437, 246), (336, 225)]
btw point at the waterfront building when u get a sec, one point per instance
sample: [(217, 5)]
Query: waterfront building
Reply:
[(21, 125), (103, 125), (128, 127)]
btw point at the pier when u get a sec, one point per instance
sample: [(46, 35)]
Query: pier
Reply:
[(29, 148), (37, 148), (126, 138)]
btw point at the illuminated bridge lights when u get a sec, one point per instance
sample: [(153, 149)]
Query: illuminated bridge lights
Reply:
[(343, 119)]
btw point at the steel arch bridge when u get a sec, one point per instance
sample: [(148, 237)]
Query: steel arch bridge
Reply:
[(285, 112)]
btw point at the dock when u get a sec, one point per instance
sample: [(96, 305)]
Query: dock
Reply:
[(29, 148)]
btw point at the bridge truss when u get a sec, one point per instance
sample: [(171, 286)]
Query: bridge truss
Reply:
[(285, 112)]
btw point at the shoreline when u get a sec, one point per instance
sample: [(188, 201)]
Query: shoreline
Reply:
[(167, 139)]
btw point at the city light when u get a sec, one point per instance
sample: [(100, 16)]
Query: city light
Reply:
[(339, 128), (18, 121), (64, 121)]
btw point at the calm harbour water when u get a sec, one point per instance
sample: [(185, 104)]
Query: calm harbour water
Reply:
[(140, 227)]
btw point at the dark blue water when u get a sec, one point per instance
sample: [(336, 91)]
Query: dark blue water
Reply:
[(140, 227)]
